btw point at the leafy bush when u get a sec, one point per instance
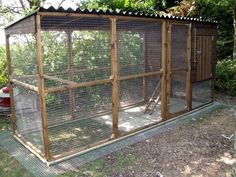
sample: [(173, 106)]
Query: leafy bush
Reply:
[(3, 67), (226, 76)]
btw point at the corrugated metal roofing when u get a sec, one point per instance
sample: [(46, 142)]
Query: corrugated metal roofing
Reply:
[(115, 12)]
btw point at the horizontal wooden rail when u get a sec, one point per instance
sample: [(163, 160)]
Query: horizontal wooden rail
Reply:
[(78, 85), (53, 78), (134, 76), (28, 86)]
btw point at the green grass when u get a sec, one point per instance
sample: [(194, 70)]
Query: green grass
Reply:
[(4, 122), (103, 167), (10, 167)]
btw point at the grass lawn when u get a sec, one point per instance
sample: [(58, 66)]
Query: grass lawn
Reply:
[(9, 166)]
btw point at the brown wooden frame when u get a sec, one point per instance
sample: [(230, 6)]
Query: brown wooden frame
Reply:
[(165, 73)]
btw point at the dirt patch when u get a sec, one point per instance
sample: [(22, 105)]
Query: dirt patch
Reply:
[(203, 147)]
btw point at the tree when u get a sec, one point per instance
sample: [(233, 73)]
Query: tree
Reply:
[(138, 5)]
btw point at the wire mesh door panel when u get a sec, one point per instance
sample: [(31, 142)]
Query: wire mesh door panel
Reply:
[(178, 35)]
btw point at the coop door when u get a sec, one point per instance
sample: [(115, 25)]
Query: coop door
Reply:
[(178, 67), (202, 62)]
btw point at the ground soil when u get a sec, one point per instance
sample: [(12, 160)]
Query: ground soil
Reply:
[(203, 147)]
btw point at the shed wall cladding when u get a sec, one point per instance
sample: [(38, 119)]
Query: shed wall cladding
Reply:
[(80, 54)]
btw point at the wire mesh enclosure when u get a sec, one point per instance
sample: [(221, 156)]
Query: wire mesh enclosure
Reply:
[(81, 80)]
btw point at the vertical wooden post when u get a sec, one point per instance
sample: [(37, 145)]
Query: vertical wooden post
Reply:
[(42, 89), (115, 77), (9, 70), (164, 106), (145, 80), (70, 73), (188, 79)]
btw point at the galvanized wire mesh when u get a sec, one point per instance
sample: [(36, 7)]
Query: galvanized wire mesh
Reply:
[(178, 90), (179, 35), (201, 93), (23, 58), (28, 116), (83, 123)]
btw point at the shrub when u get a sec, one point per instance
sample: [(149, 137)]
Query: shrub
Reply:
[(3, 67), (226, 76)]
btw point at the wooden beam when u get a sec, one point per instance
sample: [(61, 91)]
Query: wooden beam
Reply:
[(42, 90), (115, 81), (164, 83), (188, 80), (70, 73), (28, 86), (57, 79), (77, 85), (134, 76), (145, 66), (9, 69)]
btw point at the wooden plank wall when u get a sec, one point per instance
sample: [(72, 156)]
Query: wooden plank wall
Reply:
[(24, 27)]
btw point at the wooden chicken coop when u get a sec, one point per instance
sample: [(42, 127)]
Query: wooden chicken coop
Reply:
[(83, 78)]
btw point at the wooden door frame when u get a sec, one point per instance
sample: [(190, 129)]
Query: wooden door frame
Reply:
[(170, 71)]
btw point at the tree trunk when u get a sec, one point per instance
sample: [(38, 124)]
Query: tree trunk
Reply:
[(234, 51)]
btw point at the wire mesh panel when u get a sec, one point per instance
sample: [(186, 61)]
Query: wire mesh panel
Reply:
[(179, 35), (139, 52), (28, 116), (23, 57), (178, 60), (178, 92), (201, 93), (85, 122), (77, 53), (139, 47)]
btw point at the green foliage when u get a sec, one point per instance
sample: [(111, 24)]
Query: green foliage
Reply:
[(3, 67), (226, 76), (138, 5), (221, 11)]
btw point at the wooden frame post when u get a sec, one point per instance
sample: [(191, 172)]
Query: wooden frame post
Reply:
[(145, 79), (115, 79), (164, 101), (42, 89), (9, 70), (70, 73), (188, 80)]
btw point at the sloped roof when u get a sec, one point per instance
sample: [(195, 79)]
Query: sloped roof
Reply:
[(115, 12)]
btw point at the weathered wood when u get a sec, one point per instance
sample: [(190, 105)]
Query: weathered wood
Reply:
[(28, 86), (70, 73), (188, 81), (77, 85), (25, 26), (57, 79), (9, 70), (42, 90), (134, 76), (115, 81), (164, 107), (168, 66), (145, 65)]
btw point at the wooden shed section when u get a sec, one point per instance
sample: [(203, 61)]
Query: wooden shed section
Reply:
[(84, 78)]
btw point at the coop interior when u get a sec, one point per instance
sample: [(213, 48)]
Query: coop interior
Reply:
[(76, 54)]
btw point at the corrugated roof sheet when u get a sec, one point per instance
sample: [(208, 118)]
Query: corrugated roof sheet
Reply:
[(117, 13)]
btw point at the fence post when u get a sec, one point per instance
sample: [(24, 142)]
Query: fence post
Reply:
[(115, 79), (42, 89)]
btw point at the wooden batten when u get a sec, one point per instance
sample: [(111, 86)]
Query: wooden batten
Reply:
[(42, 90), (28, 86), (188, 79), (70, 73), (135, 76), (164, 107), (77, 85), (115, 80), (9, 70)]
